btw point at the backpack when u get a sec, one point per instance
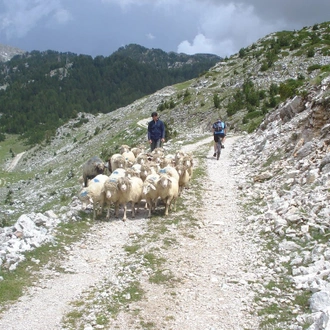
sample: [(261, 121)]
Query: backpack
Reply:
[(218, 127)]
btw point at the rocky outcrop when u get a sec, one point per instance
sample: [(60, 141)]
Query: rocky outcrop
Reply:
[(283, 171), (7, 52)]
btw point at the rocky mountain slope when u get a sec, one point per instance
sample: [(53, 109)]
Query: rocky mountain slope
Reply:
[(7, 52), (282, 170)]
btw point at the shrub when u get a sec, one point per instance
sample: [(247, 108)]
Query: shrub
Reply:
[(313, 67), (216, 101), (242, 52), (289, 88), (252, 115), (311, 52)]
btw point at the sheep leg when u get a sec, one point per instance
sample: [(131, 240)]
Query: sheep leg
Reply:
[(94, 211), (167, 204), (153, 204), (149, 207), (174, 204), (133, 210), (125, 208), (108, 210), (108, 213), (117, 209)]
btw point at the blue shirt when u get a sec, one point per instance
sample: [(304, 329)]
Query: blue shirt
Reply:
[(156, 130)]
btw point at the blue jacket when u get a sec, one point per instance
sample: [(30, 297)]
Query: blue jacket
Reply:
[(156, 130)]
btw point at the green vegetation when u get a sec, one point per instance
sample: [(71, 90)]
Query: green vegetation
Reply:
[(46, 89)]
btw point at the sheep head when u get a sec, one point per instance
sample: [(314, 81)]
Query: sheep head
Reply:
[(165, 180), (109, 188), (147, 187), (124, 148), (124, 184), (181, 169), (99, 168)]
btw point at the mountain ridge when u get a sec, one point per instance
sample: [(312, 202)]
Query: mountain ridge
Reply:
[(42, 90)]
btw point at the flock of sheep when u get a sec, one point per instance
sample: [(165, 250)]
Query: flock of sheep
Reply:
[(135, 176)]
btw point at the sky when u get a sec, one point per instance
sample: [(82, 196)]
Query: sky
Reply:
[(100, 27)]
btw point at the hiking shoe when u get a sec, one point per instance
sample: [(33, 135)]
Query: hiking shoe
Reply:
[(214, 154), (222, 146)]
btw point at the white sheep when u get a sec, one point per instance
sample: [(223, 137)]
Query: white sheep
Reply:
[(138, 150), (169, 170), (129, 190), (146, 169), (179, 156), (168, 160), (188, 161), (184, 176), (117, 161), (130, 172), (142, 158), (124, 148), (168, 191), (159, 151), (94, 193), (129, 158), (150, 193), (111, 188)]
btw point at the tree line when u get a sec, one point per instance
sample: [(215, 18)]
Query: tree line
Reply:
[(46, 89)]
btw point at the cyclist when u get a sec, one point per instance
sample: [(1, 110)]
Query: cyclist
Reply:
[(219, 131)]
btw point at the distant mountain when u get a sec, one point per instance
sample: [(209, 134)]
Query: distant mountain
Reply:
[(161, 59), (39, 91), (7, 52)]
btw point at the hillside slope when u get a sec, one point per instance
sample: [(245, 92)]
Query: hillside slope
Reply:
[(207, 257), (281, 188)]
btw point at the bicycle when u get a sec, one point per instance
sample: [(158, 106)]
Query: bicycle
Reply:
[(219, 147)]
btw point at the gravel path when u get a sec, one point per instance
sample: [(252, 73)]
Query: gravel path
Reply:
[(14, 162), (214, 265)]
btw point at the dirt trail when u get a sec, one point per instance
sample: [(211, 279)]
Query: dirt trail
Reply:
[(213, 268), (15, 161)]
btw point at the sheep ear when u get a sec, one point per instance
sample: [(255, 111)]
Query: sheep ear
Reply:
[(152, 187)]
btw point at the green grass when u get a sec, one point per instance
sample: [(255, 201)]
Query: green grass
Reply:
[(131, 249), (184, 85), (11, 146)]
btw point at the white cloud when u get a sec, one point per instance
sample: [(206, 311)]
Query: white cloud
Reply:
[(150, 36), (63, 16), (20, 16), (200, 44), (224, 29)]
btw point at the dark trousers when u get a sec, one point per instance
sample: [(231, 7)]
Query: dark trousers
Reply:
[(155, 144)]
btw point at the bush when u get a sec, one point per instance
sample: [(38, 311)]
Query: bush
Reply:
[(313, 67), (254, 124), (311, 52), (242, 52), (216, 101), (252, 115), (289, 88)]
